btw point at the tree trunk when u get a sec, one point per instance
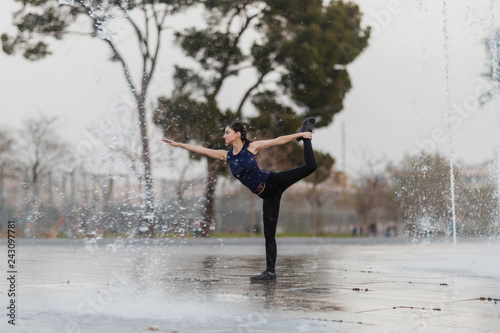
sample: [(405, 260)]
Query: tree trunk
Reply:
[(147, 225), (252, 216), (313, 219), (51, 196), (209, 208), (184, 220), (312, 201), (2, 195), (320, 217), (108, 199)]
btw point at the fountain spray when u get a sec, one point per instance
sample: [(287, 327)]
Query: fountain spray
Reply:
[(495, 71), (449, 113)]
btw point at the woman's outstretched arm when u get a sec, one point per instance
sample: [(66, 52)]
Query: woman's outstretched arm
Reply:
[(219, 154), (255, 146)]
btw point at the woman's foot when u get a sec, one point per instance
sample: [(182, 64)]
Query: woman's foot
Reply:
[(264, 277), (307, 126)]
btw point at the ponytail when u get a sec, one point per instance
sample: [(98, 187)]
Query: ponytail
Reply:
[(240, 127)]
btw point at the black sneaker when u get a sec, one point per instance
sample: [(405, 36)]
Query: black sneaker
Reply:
[(307, 126), (264, 277)]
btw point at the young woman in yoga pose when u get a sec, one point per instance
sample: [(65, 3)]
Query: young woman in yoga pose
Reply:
[(267, 185)]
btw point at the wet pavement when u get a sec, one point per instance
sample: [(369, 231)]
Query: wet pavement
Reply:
[(193, 285)]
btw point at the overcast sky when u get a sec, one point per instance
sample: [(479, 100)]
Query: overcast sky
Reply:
[(396, 106)]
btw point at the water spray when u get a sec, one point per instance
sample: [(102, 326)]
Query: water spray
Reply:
[(495, 71), (449, 113)]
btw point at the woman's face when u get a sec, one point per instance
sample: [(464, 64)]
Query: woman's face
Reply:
[(231, 136)]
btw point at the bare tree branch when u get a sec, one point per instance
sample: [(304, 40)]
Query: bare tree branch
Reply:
[(118, 57), (224, 73), (247, 94)]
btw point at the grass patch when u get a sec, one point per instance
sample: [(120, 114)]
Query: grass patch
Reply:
[(308, 235), (234, 235), (346, 235), (213, 235), (284, 235)]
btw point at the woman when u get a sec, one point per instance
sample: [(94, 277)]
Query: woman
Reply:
[(267, 185)]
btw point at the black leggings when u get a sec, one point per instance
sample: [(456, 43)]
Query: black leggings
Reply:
[(276, 184)]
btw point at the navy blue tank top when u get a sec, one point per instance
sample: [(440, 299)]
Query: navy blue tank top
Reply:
[(244, 167)]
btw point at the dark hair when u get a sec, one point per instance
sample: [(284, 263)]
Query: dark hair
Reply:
[(240, 127)]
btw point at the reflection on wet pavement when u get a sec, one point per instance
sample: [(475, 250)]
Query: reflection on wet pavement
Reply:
[(193, 285)]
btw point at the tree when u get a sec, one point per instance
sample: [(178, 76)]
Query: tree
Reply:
[(6, 145), (39, 21), (422, 185), (372, 192), (478, 209), (493, 48), (113, 150), (40, 150), (492, 45), (297, 54)]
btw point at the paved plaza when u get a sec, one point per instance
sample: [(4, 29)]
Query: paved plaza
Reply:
[(198, 285)]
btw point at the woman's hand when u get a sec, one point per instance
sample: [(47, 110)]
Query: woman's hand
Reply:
[(171, 142), (307, 135), (217, 154)]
